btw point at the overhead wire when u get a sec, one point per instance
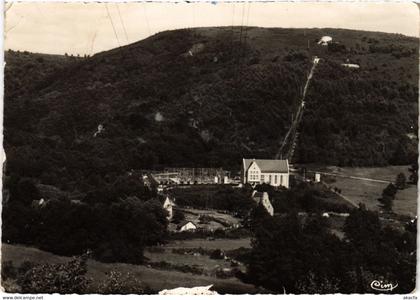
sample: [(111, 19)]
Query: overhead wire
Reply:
[(238, 64), (194, 6), (112, 24), (246, 31), (238, 58), (122, 23), (242, 23), (232, 28), (93, 42), (146, 18)]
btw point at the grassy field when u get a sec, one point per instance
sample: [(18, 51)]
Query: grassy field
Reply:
[(156, 279), (368, 192), (219, 220), (223, 244), (209, 266)]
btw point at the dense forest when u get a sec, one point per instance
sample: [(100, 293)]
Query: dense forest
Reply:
[(307, 259), (205, 97)]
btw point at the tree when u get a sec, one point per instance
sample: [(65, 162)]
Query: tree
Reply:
[(126, 227), (400, 181), (24, 191), (413, 172), (362, 226), (388, 196), (122, 284), (387, 202), (284, 253), (313, 285), (178, 216), (67, 278)]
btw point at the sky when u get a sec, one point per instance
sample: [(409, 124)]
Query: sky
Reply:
[(88, 28)]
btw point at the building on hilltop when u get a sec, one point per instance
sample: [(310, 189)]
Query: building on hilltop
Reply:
[(325, 40), (274, 172)]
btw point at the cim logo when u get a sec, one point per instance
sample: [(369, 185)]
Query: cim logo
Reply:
[(379, 285)]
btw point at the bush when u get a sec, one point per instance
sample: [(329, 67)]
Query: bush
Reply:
[(400, 181), (117, 231), (388, 196), (217, 254), (67, 278), (122, 284), (8, 271)]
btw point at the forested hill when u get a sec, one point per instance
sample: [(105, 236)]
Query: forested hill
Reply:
[(207, 97)]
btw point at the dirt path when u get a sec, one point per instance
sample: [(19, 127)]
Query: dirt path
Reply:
[(351, 177)]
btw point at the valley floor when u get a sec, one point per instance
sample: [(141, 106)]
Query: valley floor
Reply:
[(156, 279)]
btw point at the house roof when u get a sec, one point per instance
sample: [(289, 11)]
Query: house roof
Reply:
[(185, 222), (163, 198), (269, 165)]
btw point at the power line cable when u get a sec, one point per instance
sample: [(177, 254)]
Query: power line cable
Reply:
[(112, 23), (242, 22), (93, 42), (146, 18), (246, 30), (194, 4), (232, 32), (122, 23), (240, 40)]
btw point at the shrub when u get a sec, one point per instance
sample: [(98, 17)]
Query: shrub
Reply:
[(122, 284), (67, 278), (217, 254), (400, 181)]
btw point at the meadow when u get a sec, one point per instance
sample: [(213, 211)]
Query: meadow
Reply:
[(368, 192)]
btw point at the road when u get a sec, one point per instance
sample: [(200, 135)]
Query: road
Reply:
[(348, 176)]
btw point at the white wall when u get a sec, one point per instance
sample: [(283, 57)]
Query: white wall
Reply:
[(254, 173), (282, 179)]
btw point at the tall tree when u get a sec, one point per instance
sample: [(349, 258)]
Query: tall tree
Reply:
[(400, 181), (413, 172)]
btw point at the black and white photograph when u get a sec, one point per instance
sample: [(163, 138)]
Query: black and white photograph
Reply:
[(210, 148)]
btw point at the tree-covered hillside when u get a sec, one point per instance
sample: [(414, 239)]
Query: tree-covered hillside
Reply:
[(207, 97)]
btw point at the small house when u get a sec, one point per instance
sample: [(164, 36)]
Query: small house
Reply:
[(187, 226), (264, 200), (168, 205), (325, 40)]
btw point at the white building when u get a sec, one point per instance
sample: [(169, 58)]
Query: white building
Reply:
[(187, 226), (274, 172), (264, 199), (325, 40), (168, 205)]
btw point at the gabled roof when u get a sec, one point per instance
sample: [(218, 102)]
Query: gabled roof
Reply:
[(185, 222), (163, 199), (268, 165)]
